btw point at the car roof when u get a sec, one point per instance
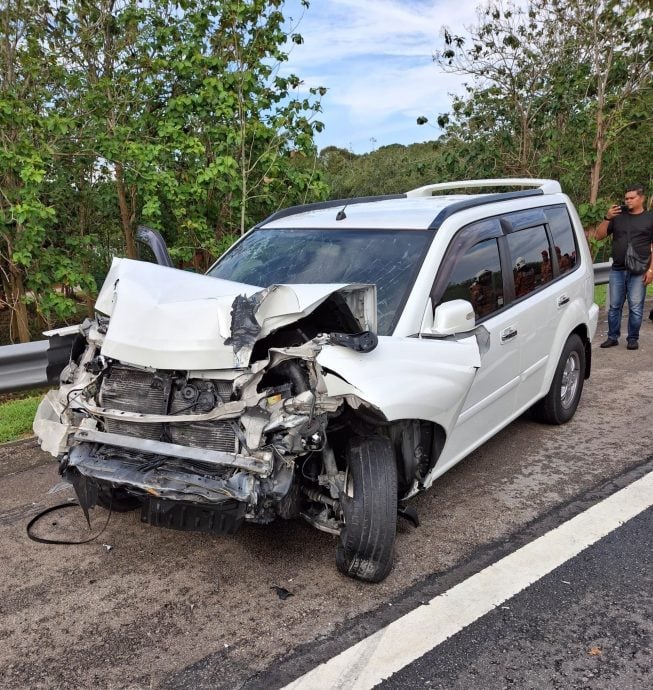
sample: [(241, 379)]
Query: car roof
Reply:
[(416, 209)]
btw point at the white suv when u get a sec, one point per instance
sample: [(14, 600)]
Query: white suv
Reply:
[(333, 363)]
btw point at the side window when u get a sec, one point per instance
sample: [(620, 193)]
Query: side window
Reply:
[(530, 256), (477, 278), (563, 237)]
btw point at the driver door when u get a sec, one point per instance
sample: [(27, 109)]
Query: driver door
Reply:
[(476, 275)]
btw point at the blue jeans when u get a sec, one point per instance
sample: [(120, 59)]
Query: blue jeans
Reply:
[(624, 284)]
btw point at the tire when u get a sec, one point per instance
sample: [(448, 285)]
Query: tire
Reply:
[(116, 500), (560, 403), (369, 505)]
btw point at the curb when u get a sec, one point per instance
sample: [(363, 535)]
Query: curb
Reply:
[(20, 442)]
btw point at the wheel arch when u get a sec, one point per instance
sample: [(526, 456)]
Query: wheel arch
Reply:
[(418, 444), (579, 328), (583, 333)]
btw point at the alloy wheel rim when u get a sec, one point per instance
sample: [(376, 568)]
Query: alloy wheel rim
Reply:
[(570, 380)]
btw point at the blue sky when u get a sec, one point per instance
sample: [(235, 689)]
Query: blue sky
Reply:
[(375, 57)]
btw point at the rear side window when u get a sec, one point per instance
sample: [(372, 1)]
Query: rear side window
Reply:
[(563, 238), (477, 279), (530, 259)]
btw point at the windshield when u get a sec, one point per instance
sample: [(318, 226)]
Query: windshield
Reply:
[(389, 259)]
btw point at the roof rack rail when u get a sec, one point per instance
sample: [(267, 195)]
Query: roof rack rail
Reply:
[(479, 201), (333, 203), (547, 186)]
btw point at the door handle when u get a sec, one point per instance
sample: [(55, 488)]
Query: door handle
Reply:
[(562, 300), (508, 334)]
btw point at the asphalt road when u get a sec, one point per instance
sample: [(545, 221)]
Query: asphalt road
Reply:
[(142, 607), (588, 624)]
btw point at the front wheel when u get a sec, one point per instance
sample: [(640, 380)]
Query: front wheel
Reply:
[(369, 506), (560, 403)]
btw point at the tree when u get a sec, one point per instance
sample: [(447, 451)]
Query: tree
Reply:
[(613, 42), (552, 88), (25, 121), (197, 127), (506, 58), (176, 113)]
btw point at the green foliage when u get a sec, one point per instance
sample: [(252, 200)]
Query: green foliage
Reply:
[(388, 170), (16, 418), (172, 113), (600, 295), (569, 104), (572, 104)]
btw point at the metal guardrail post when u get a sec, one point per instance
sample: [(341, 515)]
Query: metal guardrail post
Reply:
[(602, 273)]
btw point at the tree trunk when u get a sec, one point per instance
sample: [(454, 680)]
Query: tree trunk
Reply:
[(15, 293), (602, 71), (243, 200), (599, 150), (83, 231), (126, 215), (599, 141)]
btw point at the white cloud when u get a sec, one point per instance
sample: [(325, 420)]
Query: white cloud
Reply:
[(375, 57)]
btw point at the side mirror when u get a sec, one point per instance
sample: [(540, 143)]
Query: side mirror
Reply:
[(456, 316)]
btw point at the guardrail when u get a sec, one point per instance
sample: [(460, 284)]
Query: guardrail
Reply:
[(37, 364), (23, 366), (34, 365), (602, 273)]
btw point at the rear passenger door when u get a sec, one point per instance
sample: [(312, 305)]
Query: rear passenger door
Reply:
[(539, 252)]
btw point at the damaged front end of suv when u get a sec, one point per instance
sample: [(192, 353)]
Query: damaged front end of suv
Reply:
[(202, 402)]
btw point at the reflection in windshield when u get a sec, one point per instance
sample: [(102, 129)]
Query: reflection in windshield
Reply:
[(387, 259)]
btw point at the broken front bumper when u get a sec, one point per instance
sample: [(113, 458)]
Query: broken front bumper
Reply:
[(174, 473)]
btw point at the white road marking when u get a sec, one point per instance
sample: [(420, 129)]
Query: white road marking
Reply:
[(388, 650)]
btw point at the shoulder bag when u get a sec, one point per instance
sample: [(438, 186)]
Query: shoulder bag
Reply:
[(634, 262)]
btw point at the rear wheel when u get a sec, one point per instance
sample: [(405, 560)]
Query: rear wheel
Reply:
[(560, 403), (369, 506)]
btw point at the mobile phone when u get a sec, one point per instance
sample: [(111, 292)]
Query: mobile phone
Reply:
[(623, 208)]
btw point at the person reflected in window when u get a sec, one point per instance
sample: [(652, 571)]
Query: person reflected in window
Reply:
[(564, 262), (547, 269), (524, 277), (481, 293)]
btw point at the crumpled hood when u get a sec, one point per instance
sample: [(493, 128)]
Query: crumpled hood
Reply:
[(166, 318)]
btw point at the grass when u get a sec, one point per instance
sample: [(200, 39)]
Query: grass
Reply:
[(601, 294), (16, 418)]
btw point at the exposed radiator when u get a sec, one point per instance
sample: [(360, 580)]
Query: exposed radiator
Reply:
[(133, 390)]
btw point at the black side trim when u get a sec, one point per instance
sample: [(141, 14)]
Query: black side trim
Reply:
[(333, 203), (474, 201)]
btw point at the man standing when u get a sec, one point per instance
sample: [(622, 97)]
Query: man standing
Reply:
[(628, 223)]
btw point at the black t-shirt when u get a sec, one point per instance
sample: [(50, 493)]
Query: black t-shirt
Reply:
[(640, 227)]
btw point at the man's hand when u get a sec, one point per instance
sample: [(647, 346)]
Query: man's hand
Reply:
[(648, 277), (601, 230), (613, 212)]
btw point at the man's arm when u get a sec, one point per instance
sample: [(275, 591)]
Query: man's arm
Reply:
[(648, 276), (601, 230)]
